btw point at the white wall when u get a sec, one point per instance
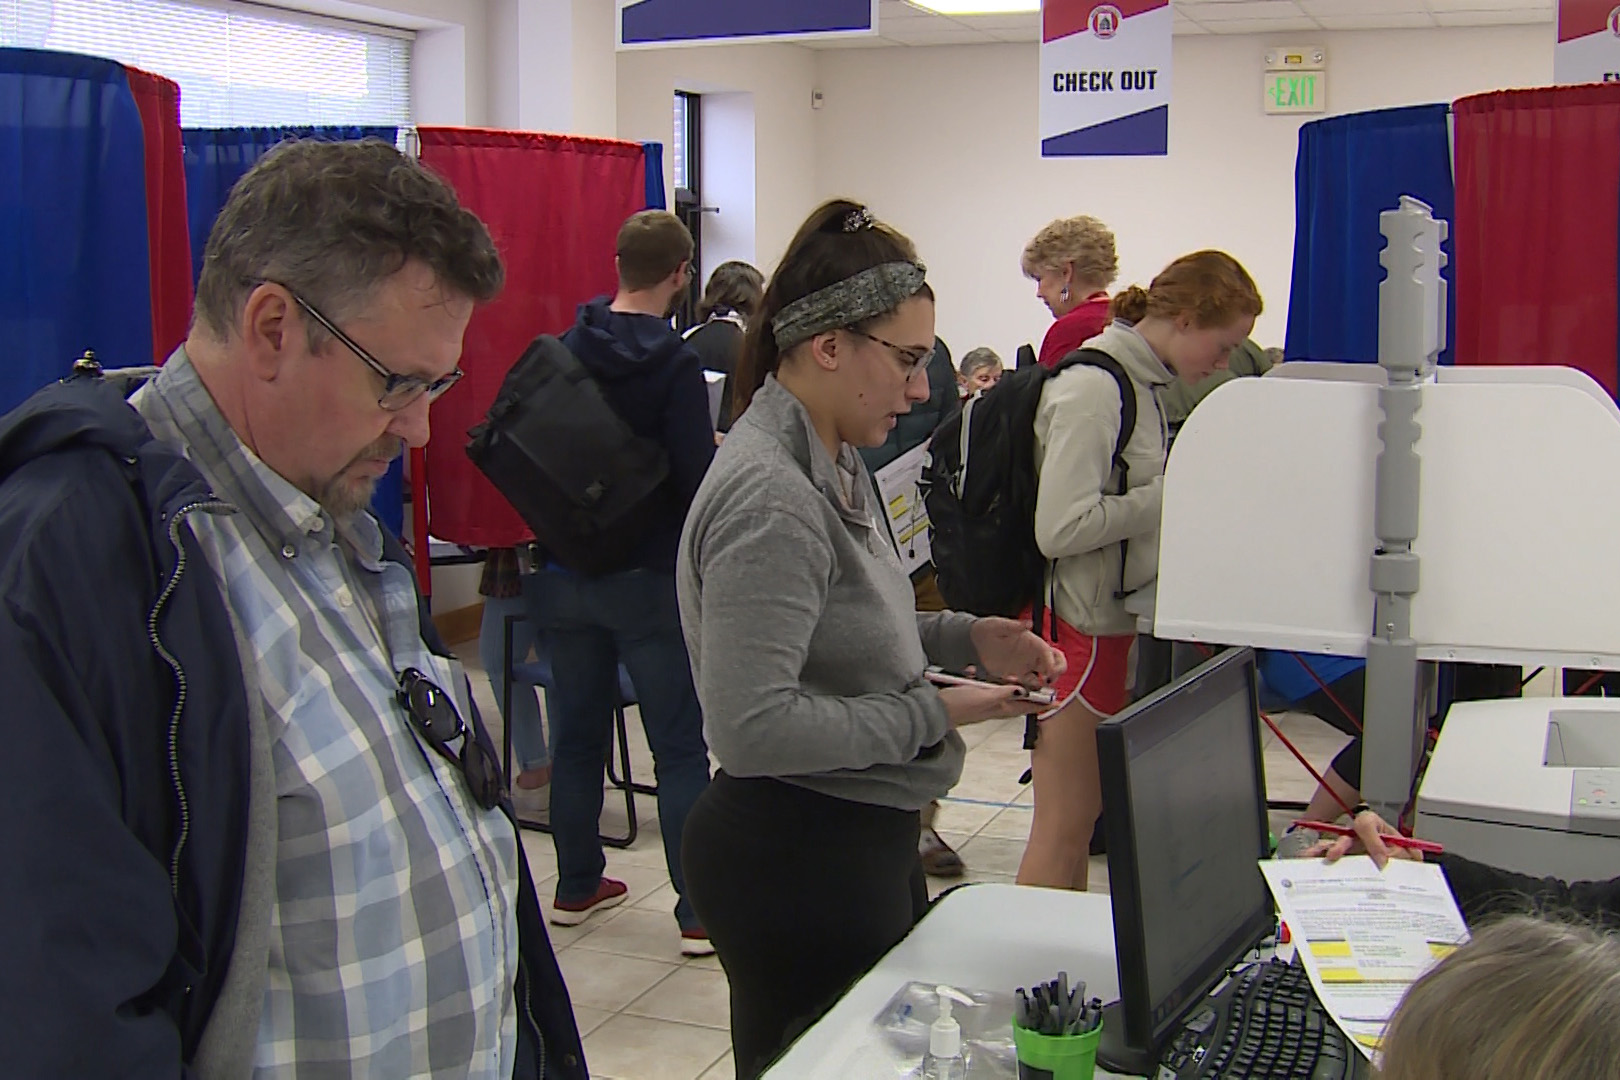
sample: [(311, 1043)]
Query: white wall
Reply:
[(729, 163), (779, 78), (552, 66), (943, 142)]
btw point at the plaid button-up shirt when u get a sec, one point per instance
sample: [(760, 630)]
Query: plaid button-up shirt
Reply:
[(393, 947)]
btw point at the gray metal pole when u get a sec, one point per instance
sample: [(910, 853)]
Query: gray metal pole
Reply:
[(1411, 335)]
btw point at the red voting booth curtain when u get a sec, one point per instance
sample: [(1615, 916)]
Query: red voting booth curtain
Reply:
[(554, 205), (168, 238), (1537, 238)]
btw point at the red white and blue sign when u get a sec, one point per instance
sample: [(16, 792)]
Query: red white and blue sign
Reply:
[(1105, 78), (661, 23), (1588, 48)]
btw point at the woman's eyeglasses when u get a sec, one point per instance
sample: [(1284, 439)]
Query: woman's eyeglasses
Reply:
[(911, 358), (435, 718)]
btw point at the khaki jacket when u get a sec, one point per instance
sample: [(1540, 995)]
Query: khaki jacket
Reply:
[(1082, 523)]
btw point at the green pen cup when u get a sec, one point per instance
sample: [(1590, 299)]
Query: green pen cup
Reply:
[(1056, 1057)]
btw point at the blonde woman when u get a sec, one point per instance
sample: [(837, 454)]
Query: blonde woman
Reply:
[(1526, 999), (1072, 262)]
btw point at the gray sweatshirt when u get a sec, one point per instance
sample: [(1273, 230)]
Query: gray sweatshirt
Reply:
[(805, 640)]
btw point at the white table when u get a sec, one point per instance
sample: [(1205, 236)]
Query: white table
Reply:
[(986, 937)]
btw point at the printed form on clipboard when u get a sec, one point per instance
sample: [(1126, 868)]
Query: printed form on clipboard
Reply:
[(898, 488), (1365, 935)]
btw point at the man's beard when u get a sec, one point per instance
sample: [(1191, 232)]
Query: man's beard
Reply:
[(347, 493)]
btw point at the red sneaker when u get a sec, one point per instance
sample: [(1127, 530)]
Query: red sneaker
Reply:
[(609, 894)]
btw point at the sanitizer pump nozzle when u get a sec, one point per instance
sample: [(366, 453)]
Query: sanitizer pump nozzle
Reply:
[(944, 1060)]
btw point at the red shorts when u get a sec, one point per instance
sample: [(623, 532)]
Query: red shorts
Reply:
[(1098, 667)]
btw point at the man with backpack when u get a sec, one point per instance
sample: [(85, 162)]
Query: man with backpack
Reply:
[(592, 621)]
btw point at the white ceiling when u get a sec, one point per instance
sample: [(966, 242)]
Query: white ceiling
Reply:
[(900, 23)]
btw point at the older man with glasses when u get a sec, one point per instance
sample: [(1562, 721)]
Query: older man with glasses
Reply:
[(254, 823)]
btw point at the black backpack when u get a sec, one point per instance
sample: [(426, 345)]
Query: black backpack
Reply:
[(983, 516), (568, 463)]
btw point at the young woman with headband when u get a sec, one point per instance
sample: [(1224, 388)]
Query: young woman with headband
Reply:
[(801, 857)]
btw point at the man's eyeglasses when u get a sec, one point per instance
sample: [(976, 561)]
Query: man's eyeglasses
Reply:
[(911, 358), (435, 719), (399, 391)]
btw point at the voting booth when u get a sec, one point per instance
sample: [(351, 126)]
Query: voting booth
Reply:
[(1431, 514)]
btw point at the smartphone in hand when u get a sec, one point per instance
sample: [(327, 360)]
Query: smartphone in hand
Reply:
[(945, 678)]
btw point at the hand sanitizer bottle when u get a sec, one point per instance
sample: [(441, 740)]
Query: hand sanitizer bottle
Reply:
[(944, 1060)]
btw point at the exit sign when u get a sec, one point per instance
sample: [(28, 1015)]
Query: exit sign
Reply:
[(1295, 91)]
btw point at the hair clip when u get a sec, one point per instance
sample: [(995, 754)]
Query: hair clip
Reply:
[(859, 219)]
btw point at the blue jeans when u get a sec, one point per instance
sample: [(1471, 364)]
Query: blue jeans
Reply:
[(589, 626), (523, 714)]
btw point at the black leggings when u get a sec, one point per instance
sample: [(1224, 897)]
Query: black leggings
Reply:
[(801, 894)]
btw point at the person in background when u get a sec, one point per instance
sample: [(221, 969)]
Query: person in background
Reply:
[(980, 370), (729, 300), (502, 590), (258, 827), (809, 652), (1072, 262), (590, 625), (1103, 541), (1525, 999), (910, 431)]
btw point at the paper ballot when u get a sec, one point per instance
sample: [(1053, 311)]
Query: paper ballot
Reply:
[(1365, 934), (898, 490)]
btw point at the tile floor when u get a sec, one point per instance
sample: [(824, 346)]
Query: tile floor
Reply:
[(646, 1013)]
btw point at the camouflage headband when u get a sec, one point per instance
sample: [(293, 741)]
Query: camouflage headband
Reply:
[(866, 295)]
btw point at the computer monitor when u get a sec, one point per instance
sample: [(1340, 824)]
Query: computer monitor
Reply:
[(1184, 787)]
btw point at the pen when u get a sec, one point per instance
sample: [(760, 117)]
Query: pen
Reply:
[(1428, 847)]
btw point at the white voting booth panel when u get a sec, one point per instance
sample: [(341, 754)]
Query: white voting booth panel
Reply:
[(1268, 516)]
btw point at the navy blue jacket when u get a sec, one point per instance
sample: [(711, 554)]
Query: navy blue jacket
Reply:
[(654, 381), (124, 781)]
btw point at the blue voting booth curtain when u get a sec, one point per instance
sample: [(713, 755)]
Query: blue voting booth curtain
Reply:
[(216, 158), (656, 199), (1349, 170), (74, 272)]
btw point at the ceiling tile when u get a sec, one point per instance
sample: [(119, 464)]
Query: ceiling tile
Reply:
[(1491, 18), (1032, 34), (1187, 26), (1208, 13), (1548, 6), (949, 35), (998, 23), (1363, 7), (1375, 22), (1262, 26)]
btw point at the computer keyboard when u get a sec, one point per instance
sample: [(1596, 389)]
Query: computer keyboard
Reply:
[(1265, 1022)]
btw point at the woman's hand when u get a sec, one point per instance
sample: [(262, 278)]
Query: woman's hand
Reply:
[(1011, 652), (975, 704), (1369, 827)]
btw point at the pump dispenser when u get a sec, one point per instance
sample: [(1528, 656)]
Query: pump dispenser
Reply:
[(944, 1060)]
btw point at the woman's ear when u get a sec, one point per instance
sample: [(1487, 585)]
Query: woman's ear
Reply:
[(824, 349)]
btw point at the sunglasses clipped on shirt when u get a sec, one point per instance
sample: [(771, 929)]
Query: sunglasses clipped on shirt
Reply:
[(434, 716)]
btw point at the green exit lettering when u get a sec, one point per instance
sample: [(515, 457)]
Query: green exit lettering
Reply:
[(1294, 93)]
